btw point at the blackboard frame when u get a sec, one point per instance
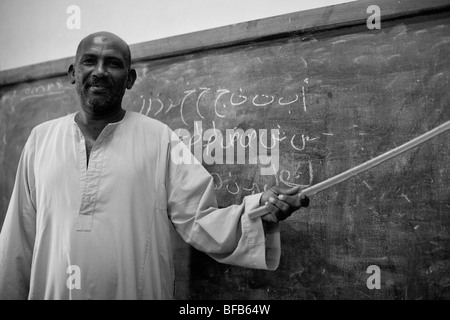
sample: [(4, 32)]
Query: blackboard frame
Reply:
[(304, 22)]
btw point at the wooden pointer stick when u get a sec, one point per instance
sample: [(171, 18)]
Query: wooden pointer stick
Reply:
[(362, 167)]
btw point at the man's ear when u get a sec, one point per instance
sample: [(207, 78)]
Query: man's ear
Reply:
[(131, 78), (71, 74)]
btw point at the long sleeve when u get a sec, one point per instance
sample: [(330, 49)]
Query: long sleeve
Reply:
[(19, 230), (228, 235)]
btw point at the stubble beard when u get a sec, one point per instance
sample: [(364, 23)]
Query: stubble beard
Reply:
[(99, 103)]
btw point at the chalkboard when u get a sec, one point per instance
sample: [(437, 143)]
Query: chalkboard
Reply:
[(331, 96)]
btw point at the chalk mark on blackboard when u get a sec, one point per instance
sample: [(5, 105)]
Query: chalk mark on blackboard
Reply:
[(356, 60), (204, 90), (250, 139), (264, 103), (275, 173), (9, 97), (237, 103), (318, 61), (393, 56), (402, 31), (170, 106), (237, 188), (287, 103), (289, 184), (213, 174), (188, 93), (278, 139), (43, 90), (292, 184), (235, 99), (41, 95), (304, 98), (254, 186), (338, 42), (193, 143), (232, 138), (390, 83), (445, 41), (161, 108), (406, 197), (149, 106), (221, 92), (297, 170), (368, 186), (304, 140), (143, 104), (304, 61), (273, 139)]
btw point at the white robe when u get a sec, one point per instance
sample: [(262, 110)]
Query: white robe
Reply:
[(104, 232)]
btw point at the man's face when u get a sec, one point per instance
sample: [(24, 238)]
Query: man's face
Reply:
[(101, 73)]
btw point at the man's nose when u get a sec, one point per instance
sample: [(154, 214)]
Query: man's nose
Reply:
[(100, 69)]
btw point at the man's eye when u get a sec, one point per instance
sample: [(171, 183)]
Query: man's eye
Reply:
[(115, 64), (88, 62)]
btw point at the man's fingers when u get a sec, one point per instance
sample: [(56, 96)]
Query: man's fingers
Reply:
[(293, 191), (280, 209), (295, 201), (281, 203), (275, 206), (271, 215), (283, 206)]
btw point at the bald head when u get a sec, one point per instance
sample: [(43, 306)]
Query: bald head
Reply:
[(103, 38)]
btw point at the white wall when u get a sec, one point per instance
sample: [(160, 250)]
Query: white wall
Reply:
[(33, 31)]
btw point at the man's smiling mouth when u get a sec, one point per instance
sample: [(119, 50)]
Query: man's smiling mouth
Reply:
[(98, 88)]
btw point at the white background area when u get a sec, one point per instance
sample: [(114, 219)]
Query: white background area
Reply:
[(33, 31)]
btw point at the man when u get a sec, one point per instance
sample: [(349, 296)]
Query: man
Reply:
[(96, 193)]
